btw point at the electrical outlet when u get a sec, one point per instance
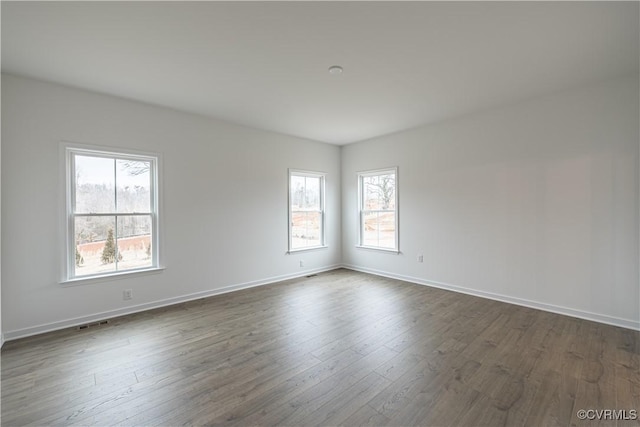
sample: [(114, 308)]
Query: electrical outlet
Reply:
[(301, 263), (127, 294), (420, 258)]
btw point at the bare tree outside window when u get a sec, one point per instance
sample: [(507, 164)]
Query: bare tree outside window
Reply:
[(378, 216), (135, 168), (383, 188)]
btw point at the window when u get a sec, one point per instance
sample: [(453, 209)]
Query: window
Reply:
[(378, 204), (112, 212), (306, 210)]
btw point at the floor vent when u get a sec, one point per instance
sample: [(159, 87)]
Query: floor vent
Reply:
[(90, 325)]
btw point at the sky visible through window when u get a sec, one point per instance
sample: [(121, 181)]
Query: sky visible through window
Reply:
[(100, 170)]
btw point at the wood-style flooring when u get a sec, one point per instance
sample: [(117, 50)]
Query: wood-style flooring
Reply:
[(340, 348)]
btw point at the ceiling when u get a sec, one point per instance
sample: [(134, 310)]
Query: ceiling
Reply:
[(264, 64)]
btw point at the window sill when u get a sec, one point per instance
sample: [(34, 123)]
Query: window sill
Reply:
[(374, 248), (314, 248), (110, 277)]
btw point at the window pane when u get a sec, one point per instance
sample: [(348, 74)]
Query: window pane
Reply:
[(297, 188), (94, 189), (134, 242), (312, 194), (107, 190), (379, 192), (305, 193), (306, 229), (379, 229), (95, 245), (134, 185)]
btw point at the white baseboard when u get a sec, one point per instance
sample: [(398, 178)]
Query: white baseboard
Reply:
[(601, 318), (35, 330), (54, 326)]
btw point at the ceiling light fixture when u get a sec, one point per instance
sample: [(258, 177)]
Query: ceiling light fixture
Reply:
[(335, 69)]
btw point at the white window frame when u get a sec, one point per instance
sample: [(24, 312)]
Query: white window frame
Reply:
[(69, 152), (322, 176), (362, 211)]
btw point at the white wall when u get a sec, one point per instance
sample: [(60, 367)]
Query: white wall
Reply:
[(225, 203), (1, 330), (535, 203)]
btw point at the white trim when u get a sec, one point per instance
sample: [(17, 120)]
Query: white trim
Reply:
[(68, 151), (322, 176), (54, 326), (63, 324), (361, 210), (118, 275), (375, 172), (376, 248), (581, 314), (310, 248)]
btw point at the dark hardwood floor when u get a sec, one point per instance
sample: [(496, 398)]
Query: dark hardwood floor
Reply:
[(341, 348)]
